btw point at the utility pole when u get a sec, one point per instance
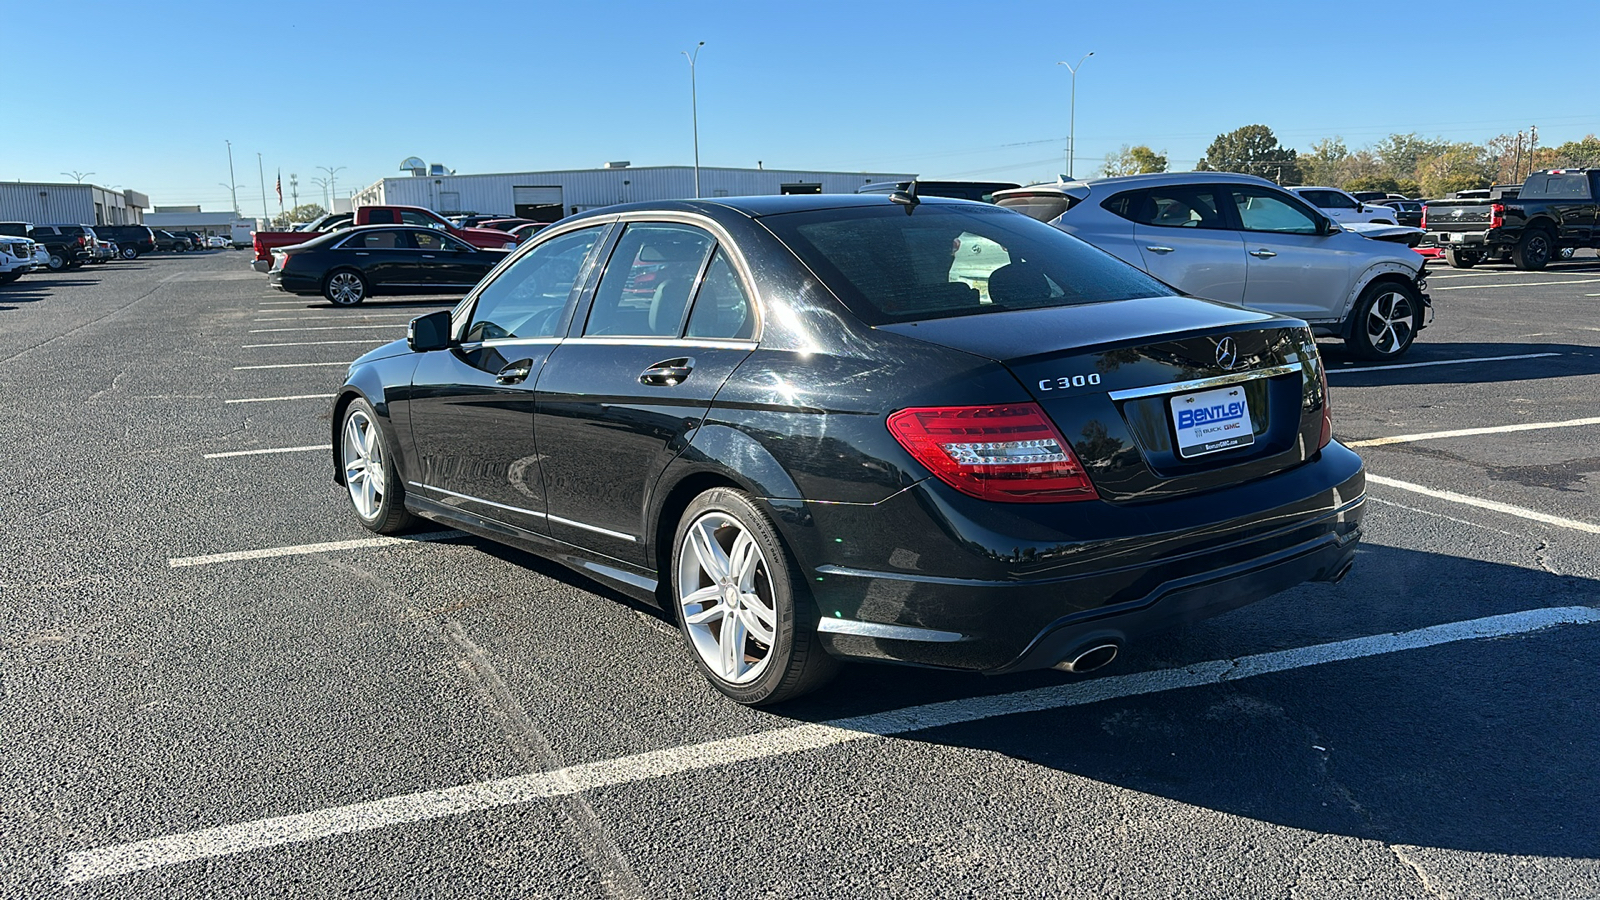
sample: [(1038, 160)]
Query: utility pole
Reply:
[(294, 189), (694, 112), (266, 217), (1516, 166), (1072, 149), (333, 190), (233, 185)]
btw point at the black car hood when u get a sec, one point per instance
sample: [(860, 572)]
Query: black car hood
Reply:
[(393, 348), (1030, 332)]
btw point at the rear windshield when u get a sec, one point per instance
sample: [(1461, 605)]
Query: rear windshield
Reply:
[(1573, 186), (959, 260)]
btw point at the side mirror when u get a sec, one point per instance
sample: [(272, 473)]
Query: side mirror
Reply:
[(1329, 226), (429, 332)]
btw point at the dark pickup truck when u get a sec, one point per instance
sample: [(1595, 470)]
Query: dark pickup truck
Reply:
[(1554, 213)]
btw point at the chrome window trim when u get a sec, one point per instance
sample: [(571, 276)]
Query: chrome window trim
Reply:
[(615, 340), (1200, 384), (595, 528)]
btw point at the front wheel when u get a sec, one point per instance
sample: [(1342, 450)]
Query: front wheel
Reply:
[(130, 252), (734, 587), (1533, 252), (345, 287), (375, 490), (1386, 320), (1459, 259)]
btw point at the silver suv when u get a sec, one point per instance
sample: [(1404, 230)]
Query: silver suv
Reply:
[(1243, 240)]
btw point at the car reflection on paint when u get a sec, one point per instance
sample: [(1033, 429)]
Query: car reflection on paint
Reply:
[(814, 438)]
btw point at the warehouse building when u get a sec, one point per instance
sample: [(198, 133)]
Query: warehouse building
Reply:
[(189, 218), (44, 203), (548, 196)]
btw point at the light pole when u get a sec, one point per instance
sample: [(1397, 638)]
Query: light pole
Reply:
[(324, 184), (694, 112), (294, 190), (77, 176), (266, 217), (233, 184), (1072, 148), (333, 191)]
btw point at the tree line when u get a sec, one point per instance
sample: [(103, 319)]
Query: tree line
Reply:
[(1402, 163)]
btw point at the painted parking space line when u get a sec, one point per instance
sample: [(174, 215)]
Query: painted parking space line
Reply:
[(1438, 362), (1469, 432), (299, 828), (183, 562), (276, 399), (326, 327), (1518, 284), (289, 366), (1438, 515), (1495, 505), (324, 318), (376, 342), (230, 453)]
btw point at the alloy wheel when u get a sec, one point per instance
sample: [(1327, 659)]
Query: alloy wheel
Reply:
[(725, 597), (345, 288), (364, 471), (1390, 322)]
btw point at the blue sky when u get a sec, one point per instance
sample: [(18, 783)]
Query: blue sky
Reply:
[(942, 89)]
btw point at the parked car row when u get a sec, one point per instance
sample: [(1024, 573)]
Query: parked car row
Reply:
[(69, 246), (265, 242)]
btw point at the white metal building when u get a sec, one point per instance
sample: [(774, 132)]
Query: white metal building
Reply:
[(226, 224), (548, 196), (44, 203)]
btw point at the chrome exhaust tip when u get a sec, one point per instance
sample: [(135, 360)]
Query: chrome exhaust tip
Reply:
[(1096, 657)]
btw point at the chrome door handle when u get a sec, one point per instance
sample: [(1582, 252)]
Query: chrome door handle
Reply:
[(362, 253), (1262, 253), (427, 256), (1155, 248), (668, 373), (515, 373)]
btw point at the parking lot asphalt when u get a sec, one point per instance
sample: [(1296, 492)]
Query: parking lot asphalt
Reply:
[(217, 684)]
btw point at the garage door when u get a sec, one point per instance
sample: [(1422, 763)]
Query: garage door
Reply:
[(539, 203)]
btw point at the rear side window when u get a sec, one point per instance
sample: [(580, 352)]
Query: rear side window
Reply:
[(381, 217), (645, 289), (888, 266), (1556, 187), (722, 309), (1178, 206), (377, 240)]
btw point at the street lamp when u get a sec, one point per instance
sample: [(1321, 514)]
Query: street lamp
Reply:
[(325, 184), (694, 112), (1072, 149), (333, 191), (77, 176), (233, 183)]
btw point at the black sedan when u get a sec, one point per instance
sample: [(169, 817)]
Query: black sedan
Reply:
[(812, 430), (351, 265)]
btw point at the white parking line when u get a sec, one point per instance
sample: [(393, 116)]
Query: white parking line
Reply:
[(1438, 515), (326, 328), (1438, 362), (1468, 432), (227, 840), (275, 399), (1481, 503), (376, 342), (1517, 284), (264, 452), (324, 318), (182, 562), (289, 366)]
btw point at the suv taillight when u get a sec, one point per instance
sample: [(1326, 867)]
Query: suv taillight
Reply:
[(1011, 453), (1424, 216), (1497, 215), (1327, 409)]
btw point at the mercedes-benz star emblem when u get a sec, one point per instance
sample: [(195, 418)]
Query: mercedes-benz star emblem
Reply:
[(1227, 353)]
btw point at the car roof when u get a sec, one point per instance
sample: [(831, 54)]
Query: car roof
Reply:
[(1125, 182), (767, 205)]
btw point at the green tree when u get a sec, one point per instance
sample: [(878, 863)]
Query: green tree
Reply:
[(1579, 154), (1456, 167), (1252, 150), (1401, 154), (1383, 183), (1325, 162), (305, 212), (1139, 160)]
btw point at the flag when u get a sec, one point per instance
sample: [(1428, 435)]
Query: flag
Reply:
[(280, 187)]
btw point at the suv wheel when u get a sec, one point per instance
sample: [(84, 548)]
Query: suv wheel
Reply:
[(130, 252), (57, 262), (1533, 251), (1386, 320)]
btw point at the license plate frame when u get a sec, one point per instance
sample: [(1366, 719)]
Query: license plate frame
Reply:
[(1211, 421)]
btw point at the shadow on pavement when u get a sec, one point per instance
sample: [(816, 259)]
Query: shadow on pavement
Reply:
[(1346, 370)]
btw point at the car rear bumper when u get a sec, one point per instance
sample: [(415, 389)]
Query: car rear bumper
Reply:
[(911, 580), (1457, 238), (294, 284), (261, 265)]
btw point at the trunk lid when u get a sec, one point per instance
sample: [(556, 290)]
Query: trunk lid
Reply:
[(1119, 378)]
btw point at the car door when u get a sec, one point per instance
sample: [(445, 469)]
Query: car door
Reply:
[(1291, 268), (1185, 239), (471, 406), (448, 263), (385, 258), (618, 401)]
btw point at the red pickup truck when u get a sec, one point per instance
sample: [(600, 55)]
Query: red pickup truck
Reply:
[(265, 242)]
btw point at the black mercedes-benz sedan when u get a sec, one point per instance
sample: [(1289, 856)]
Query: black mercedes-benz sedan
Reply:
[(924, 431), (351, 265)]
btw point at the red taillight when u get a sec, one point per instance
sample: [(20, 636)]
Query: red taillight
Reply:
[(1424, 217), (1012, 454), (1497, 215)]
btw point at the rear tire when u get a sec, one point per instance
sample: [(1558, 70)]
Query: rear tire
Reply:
[(130, 252), (1533, 251), (1459, 259), (344, 287), (735, 595), (1386, 320), (57, 262)]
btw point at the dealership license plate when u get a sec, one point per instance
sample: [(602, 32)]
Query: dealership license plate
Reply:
[(1212, 421)]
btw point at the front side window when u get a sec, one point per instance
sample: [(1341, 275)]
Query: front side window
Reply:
[(434, 241), (1264, 210), (645, 289), (891, 267), (529, 297)]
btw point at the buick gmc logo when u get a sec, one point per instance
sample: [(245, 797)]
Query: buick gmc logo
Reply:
[(1227, 353)]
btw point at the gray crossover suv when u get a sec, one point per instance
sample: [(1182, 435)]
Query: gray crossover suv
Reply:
[(1243, 240)]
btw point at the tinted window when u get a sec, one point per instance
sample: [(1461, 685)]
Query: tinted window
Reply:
[(433, 240), (412, 217), (1043, 207), (528, 297), (721, 309), (1264, 210), (381, 217), (646, 286), (1179, 206), (377, 240), (1556, 187), (891, 267)]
